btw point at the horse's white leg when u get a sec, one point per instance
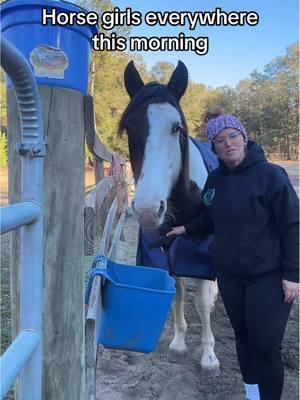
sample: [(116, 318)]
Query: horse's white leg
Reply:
[(177, 349), (205, 296)]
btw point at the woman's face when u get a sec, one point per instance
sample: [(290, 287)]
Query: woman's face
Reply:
[(230, 147)]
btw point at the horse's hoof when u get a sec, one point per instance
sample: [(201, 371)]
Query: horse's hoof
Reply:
[(177, 357), (211, 372)]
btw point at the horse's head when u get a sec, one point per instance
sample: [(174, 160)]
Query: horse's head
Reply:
[(157, 138)]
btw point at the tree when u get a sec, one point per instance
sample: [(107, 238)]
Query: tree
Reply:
[(162, 71), (267, 103), (196, 101), (106, 83), (285, 70)]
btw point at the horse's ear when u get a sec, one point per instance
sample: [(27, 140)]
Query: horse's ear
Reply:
[(179, 80), (132, 79)]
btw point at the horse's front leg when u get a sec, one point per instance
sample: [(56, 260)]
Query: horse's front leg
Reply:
[(205, 296), (177, 349)]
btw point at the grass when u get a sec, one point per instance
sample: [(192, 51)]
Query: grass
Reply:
[(5, 299), (5, 294)]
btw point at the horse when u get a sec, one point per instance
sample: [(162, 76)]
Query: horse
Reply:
[(169, 173)]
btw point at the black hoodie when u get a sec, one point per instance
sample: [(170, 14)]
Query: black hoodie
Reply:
[(253, 212)]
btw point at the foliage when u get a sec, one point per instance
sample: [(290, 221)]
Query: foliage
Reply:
[(3, 122), (3, 150), (3, 115), (268, 104), (197, 99), (161, 72)]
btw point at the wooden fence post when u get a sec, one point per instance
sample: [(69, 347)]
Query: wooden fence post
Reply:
[(63, 317), (100, 215)]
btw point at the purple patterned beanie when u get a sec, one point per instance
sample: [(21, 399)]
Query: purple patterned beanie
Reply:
[(216, 125)]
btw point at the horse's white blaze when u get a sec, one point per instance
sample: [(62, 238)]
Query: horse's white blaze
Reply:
[(162, 158)]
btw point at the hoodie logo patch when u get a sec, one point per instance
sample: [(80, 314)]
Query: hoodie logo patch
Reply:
[(208, 197)]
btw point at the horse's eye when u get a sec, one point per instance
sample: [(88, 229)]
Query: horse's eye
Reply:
[(176, 128)]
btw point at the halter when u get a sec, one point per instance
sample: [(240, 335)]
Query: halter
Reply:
[(150, 91)]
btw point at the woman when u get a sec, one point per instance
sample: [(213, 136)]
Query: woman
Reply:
[(252, 209)]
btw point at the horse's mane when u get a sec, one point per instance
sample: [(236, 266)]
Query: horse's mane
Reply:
[(152, 92)]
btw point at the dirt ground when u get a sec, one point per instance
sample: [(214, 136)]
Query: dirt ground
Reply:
[(123, 375)]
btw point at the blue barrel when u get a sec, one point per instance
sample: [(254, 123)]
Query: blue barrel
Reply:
[(58, 55)]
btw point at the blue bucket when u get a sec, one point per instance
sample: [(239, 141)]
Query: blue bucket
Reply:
[(58, 55), (136, 302)]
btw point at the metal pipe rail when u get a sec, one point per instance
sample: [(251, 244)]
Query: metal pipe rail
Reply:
[(28, 98), (16, 215), (24, 345), (32, 149)]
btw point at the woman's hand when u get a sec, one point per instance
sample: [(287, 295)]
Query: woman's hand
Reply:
[(291, 290), (177, 230)]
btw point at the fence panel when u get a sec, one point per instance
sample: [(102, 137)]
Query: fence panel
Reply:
[(105, 212)]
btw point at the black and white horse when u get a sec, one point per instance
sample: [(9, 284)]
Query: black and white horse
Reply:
[(169, 173)]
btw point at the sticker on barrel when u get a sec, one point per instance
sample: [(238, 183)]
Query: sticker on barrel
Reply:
[(49, 62)]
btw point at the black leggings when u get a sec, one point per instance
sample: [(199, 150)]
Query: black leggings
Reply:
[(258, 314)]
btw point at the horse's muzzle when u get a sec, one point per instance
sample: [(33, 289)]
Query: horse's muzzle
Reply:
[(149, 217)]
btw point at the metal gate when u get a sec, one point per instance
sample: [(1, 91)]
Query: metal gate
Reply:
[(24, 355)]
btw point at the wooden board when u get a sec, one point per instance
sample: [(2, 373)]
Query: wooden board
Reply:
[(95, 213), (106, 202), (94, 308), (93, 142)]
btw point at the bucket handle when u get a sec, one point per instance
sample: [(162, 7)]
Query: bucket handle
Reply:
[(99, 267)]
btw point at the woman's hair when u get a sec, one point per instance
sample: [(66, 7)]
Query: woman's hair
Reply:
[(213, 112)]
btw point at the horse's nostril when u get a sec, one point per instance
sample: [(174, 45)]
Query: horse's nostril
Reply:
[(161, 208)]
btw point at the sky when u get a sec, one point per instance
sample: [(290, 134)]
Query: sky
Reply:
[(234, 51)]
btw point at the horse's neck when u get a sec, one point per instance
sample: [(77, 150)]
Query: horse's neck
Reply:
[(187, 197), (197, 169)]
